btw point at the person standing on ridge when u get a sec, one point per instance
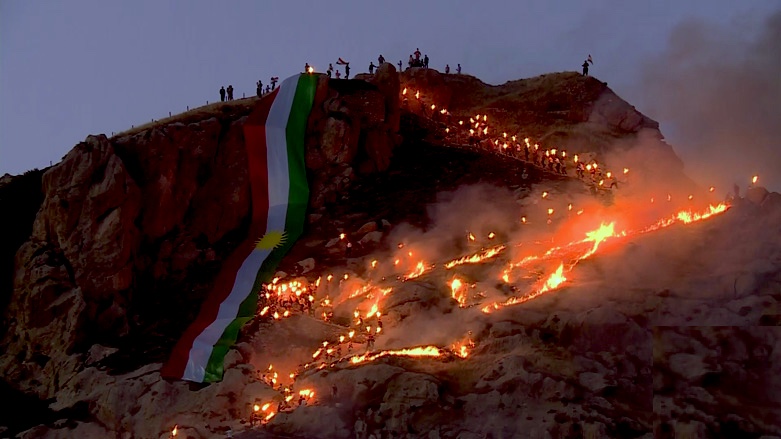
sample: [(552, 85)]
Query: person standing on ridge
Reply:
[(585, 68), (222, 94), (411, 61), (330, 69), (458, 69), (230, 92), (306, 67), (380, 60), (417, 54), (425, 61), (347, 71), (338, 74), (447, 68), (260, 88), (274, 80), (399, 65), (371, 68)]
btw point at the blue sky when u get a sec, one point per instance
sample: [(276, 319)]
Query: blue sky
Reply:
[(69, 69)]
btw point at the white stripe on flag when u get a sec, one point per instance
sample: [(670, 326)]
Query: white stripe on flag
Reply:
[(276, 143), (278, 187)]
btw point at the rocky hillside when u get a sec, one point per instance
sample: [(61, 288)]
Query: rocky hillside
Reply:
[(115, 247)]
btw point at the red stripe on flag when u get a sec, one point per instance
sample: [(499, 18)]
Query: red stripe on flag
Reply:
[(255, 143)]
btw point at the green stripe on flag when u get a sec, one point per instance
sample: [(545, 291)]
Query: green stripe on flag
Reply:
[(298, 199)]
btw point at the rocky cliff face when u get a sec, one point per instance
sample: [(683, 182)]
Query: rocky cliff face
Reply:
[(131, 230)]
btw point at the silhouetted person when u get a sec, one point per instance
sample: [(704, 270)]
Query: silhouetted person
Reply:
[(380, 60), (425, 61), (330, 69), (222, 94), (260, 88), (458, 69), (338, 75), (274, 80), (411, 61), (268, 88), (371, 68), (585, 68), (347, 71), (417, 54), (230, 92), (447, 68), (399, 65), (306, 67)]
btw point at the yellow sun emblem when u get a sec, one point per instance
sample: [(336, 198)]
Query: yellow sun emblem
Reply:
[(271, 240)]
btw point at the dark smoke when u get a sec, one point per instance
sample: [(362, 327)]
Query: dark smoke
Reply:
[(718, 91)]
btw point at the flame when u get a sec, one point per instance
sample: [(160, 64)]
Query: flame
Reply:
[(341, 236), (491, 235), (417, 94), (596, 237), (175, 431), (433, 107), (310, 69), (256, 407), (265, 406), (544, 194), (477, 257), (457, 292), (754, 179), (269, 416), (403, 92), (471, 237), (374, 263), (461, 348), (554, 280), (423, 351), (626, 170)]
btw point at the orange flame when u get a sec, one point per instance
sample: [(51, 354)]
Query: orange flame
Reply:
[(420, 268), (477, 257), (754, 180), (457, 292), (424, 351), (175, 431), (554, 280)]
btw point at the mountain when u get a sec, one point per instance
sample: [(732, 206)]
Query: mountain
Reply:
[(663, 326)]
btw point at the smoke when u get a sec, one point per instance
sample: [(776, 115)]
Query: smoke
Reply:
[(717, 90)]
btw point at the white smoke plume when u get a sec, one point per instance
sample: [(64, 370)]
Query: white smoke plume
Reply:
[(717, 91)]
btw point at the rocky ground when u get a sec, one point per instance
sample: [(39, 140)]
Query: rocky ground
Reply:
[(672, 333)]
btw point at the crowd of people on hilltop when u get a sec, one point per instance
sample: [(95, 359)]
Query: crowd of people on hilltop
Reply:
[(416, 59)]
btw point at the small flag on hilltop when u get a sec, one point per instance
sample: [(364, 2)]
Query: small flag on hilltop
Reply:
[(590, 61), (342, 62)]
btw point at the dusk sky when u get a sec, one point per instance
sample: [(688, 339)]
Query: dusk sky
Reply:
[(69, 69)]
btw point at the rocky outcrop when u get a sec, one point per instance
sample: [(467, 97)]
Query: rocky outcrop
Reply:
[(127, 241), (124, 219)]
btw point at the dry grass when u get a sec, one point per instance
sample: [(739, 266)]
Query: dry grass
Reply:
[(237, 106)]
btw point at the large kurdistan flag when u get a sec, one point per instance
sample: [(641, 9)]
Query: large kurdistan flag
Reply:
[(274, 138)]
